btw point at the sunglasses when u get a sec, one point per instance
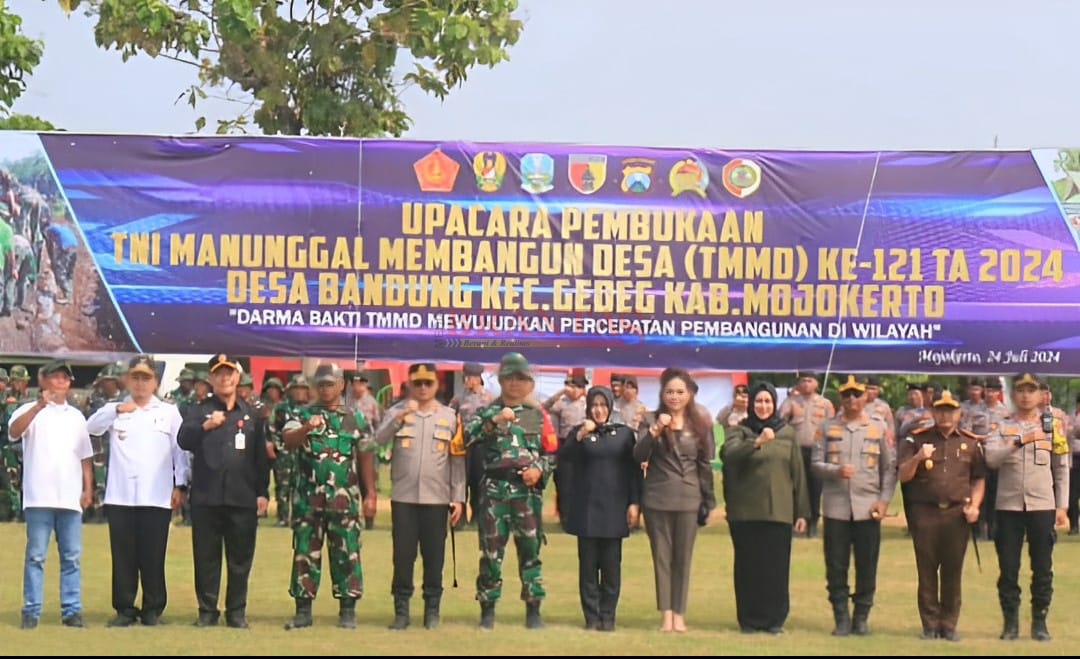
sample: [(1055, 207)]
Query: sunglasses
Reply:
[(423, 383), (850, 393)]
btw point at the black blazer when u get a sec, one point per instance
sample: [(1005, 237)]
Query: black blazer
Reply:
[(221, 475), (605, 480)]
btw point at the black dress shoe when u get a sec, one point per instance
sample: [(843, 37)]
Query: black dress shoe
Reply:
[(206, 619), (236, 622), (950, 635), (73, 620), (928, 634), (152, 619), (28, 622), (121, 620), (592, 625), (606, 626)]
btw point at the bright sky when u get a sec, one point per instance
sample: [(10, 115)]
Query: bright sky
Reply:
[(765, 73)]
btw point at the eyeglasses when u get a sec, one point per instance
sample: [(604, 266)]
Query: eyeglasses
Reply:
[(851, 393), (568, 383), (423, 383)]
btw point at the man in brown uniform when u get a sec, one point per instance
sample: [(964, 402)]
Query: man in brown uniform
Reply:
[(805, 409), (944, 468), (1032, 498)]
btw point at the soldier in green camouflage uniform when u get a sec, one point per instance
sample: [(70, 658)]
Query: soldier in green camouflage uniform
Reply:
[(183, 395), (328, 439), (11, 454), (509, 435), (284, 460), (7, 509), (108, 390)]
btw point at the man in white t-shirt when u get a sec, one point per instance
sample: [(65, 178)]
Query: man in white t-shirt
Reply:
[(57, 488), (148, 472)]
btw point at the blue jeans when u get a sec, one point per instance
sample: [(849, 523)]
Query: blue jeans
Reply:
[(40, 523)]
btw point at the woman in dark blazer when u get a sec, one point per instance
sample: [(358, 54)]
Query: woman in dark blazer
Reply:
[(678, 493), (765, 492), (607, 495)]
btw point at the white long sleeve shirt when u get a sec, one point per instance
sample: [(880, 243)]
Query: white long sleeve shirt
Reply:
[(145, 461)]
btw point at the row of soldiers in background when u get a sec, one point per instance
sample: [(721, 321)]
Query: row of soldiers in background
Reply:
[(26, 231), (14, 390)]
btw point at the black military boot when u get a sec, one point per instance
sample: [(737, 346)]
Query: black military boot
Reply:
[(532, 616), (431, 612), (347, 613), (401, 613), (1011, 629), (487, 615), (859, 623), (1039, 632), (842, 618), (302, 617)]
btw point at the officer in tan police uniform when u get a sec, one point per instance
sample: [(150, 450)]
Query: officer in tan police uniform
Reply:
[(857, 464), (1032, 498), (945, 470)]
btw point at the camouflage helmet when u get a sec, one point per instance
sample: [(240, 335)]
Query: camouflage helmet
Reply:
[(4, 375), (514, 363), (298, 381), (202, 376), (273, 382), (245, 380), (19, 372), (185, 374), (109, 372)]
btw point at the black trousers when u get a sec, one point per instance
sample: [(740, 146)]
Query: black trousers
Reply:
[(814, 485), (762, 567), (599, 577), (986, 511), (1074, 493), (474, 474), (138, 538), (424, 526), (1038, 525), (840, 537), (210, 527)]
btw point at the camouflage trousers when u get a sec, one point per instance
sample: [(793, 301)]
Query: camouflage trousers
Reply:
[(341, 533), (284, 468), (10, 483), (507, 509), (100, 464)]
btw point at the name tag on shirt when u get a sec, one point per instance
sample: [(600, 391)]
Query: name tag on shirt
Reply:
[(240, 441)]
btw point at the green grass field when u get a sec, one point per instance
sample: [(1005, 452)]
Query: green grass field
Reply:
[(711, 615)]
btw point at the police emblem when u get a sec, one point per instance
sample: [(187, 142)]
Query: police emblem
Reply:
[(436, 172), (741, 177), (587, 173), (689, 175), (489, 168), (637, 175), (537, 172)]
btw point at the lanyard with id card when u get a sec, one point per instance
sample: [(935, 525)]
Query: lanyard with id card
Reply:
[(240, 441)]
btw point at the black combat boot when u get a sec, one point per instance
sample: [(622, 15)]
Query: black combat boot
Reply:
[(346, 618), (302, 617), (859, 624), (1011, 629), (487, 615), (431, 612), (1039, 632), (401, 612), (532, 616), (842, 618)]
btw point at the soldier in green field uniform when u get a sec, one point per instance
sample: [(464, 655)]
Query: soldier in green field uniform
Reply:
[(183, 395), (8, 504), (283, 460), (11, 455), (508, 433), (332, 444)]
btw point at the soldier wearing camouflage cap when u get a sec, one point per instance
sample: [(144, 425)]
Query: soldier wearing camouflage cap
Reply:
[(333, 452), (273, 391), (10, 457), (283, 460), (511, 435), (201, 386), (107, 390), (184, 394)]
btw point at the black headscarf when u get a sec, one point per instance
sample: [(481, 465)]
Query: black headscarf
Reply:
[(609, 396), (755, 424)]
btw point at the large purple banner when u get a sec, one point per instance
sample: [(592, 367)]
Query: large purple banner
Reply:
[(582, 255)]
